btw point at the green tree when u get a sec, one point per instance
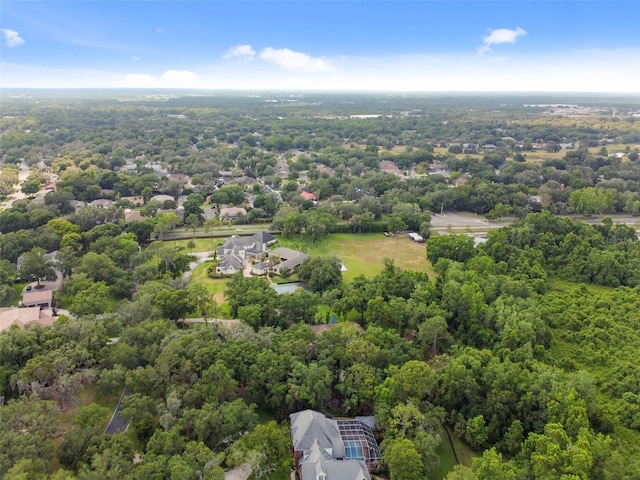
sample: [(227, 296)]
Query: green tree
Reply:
[(267, 449), (321, 273), (476, 432), (92, 300), (36, 266), (309, 386), (175, 303), (30, 187), (193, 206), (459, 248), (403, 460), (396, 224), (491, 467)]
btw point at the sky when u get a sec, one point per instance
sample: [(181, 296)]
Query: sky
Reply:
[(349, 45)]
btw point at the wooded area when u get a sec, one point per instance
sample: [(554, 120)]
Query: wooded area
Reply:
[(524, 346)]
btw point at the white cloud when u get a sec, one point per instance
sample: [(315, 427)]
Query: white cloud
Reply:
[(169, 79), (136, 80), (159, 30), (501, 35), (135, 59), (295, 61), (179, 78), (242, 51), (559, 71), (11, 38)]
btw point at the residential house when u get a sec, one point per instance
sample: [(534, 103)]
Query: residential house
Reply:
[(460, 181), (333, 449), (290, 260), (158, 169), (232, 213), (260, 268), (323, 169), (230, 265), (249, 247), (51, 257), (109, 193), (132, 216), (309, 196), (77, 204), (209, 213), (100, 203), (136, 201), (10, 316), (282, 169), (161, 198), (38, 298), (320, 465), (389, 167), (180, 177)]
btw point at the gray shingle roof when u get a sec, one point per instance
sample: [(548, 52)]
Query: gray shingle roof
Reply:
[(309, 426), (230, 262), (319, 462)]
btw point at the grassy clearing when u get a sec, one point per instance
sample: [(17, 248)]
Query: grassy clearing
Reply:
[(215, 286), (201, 244), (464, 453), (17, 296), (447, 457), (364, 254)]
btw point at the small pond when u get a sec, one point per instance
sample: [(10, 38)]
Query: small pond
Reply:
[(281, 288)]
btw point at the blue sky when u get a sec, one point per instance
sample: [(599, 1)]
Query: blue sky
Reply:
[(571, 46)]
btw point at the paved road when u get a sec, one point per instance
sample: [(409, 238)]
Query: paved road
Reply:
[(224, 321), (117, 423), (467, 222), (200, 257)]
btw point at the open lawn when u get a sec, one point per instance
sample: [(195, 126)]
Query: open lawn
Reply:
[(464, 453), (215, 286), (201, 244), (17, 296), (445, 452), (364, 254)]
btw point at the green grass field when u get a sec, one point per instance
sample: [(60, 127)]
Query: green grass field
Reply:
[(201, 244), (364, 254)]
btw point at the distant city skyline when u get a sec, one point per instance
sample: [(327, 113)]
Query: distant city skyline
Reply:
[(431, 46)]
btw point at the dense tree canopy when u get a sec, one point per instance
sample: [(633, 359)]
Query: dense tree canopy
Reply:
[(523, 348)]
